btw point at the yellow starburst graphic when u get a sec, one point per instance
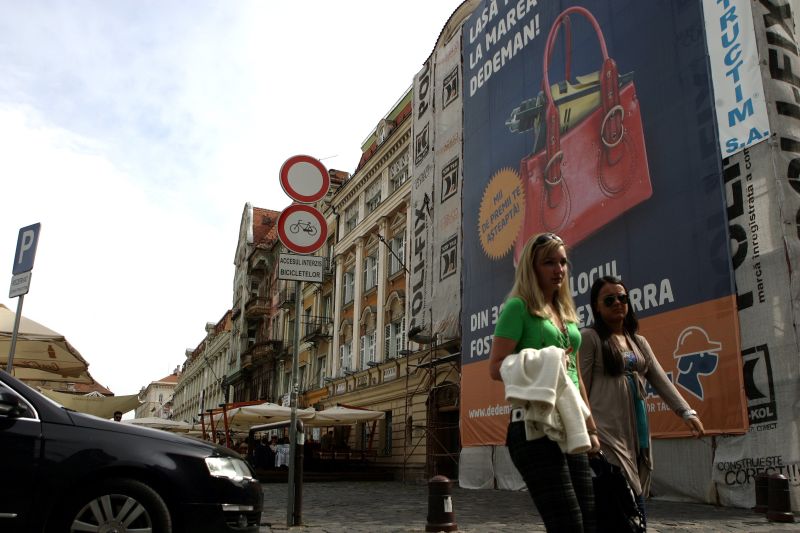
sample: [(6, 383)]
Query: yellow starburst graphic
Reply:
[(501, 212)]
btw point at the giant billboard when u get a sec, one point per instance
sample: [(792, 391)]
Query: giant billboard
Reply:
[(597, 122)]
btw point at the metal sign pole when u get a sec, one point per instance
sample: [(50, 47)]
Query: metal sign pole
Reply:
[(10, 365), (293, 518)]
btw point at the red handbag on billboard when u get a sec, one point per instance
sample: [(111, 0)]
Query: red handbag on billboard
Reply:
[(590, 172)]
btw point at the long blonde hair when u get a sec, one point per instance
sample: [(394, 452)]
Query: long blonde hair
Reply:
[(526, 286)]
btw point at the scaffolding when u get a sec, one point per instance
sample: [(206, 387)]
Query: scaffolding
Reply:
[(439, 386)]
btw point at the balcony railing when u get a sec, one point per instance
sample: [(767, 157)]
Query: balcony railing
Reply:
[(264, 349), (316, 327), (256, 306)]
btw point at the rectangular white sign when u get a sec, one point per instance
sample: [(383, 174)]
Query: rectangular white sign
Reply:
[(301, 267), (736, 75), (20, 283)]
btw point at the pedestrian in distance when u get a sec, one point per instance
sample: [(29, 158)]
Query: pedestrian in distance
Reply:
[(540, 313), (615, 360), (117, 416)]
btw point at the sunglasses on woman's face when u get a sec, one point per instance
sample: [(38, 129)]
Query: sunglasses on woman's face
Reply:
[(608, 301)]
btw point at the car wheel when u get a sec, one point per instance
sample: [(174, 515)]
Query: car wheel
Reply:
[(119, 506)]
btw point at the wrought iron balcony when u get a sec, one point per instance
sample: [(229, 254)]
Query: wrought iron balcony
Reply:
[(316, 327)]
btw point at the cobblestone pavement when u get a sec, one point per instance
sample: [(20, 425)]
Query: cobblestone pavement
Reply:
[(384, 507)]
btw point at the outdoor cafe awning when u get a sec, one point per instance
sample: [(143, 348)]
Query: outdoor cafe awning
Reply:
[(41, 354), (102, 406), (243, 418), (342, 416), (176, 426)]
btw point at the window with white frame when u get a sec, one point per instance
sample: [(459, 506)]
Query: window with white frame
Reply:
[(349, 286), (371, 270), (351, 217), (398, 172), (345, 360), (372, 196), (367, 350), (395, 338), (398, 247)]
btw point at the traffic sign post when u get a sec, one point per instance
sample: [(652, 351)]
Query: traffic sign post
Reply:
[(27, 242), (303, 230)]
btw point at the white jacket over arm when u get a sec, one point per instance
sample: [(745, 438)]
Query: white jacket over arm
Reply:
[(536, 381)]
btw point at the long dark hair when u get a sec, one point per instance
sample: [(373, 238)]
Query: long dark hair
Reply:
[(612, 359)]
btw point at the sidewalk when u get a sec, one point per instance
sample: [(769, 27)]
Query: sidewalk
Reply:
[(383, 507)]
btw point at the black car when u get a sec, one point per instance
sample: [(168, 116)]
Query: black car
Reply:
[(63, 471)]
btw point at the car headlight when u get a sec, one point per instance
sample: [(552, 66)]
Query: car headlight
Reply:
[(228, 467)]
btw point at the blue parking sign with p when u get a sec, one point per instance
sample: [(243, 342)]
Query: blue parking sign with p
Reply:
[(26, 248)]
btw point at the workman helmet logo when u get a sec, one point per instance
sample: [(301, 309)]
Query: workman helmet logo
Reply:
[(697, 356)]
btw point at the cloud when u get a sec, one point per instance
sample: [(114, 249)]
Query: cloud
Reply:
[(135, 131)]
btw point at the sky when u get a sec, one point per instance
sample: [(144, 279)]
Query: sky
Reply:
[(136, 131)]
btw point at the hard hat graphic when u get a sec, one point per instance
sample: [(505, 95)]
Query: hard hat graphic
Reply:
[(695, 340)]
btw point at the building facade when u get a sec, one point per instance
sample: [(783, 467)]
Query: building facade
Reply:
[(251, 370), (353, 345), (156, 397), (202, 383)]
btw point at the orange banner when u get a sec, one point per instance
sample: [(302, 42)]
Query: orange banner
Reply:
[(698, 348)]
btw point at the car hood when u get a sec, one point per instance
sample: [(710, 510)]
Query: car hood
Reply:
[(93, 422)]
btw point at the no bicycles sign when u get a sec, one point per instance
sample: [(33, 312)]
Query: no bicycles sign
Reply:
[(302, 228)]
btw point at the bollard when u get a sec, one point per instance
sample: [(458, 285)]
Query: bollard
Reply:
[(762, 493), (440, 505), (779, 508)]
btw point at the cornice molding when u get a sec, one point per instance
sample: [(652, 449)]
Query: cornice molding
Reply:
[(359, 181)]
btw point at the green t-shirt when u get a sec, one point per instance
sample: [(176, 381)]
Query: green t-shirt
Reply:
[(530, 331)]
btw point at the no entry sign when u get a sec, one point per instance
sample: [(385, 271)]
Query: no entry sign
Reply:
[(302, 228), (305, 179)]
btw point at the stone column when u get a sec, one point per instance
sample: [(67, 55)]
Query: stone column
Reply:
[(333, 364), (384, 257), (358, 289)]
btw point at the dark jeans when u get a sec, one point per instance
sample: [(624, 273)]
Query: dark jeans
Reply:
[(560, 484)]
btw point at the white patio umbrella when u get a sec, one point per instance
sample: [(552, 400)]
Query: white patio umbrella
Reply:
[(343, 416), (251, 415), (176, 426), (41, 354)]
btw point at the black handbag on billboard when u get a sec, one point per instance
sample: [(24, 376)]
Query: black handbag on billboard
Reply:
[(614, 500)]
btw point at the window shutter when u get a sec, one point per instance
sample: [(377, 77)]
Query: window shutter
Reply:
[(387, 342)]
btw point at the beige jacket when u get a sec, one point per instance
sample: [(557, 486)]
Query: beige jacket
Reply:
[(536, 381)]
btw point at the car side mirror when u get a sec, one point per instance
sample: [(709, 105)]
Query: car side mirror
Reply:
[(11, 405)]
